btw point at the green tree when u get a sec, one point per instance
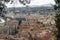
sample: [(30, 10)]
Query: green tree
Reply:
[(57, 7), (24, 2), (58, 25)]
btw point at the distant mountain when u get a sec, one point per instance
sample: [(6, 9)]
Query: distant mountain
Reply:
[(48, 5), (45, 5)]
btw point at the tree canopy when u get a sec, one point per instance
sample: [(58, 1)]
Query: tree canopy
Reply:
[(24, 2), (57, 1), (7, 1), (58, 18), (57, 4)]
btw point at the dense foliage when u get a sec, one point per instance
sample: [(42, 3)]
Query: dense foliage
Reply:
[(24, 2), (58, 26), (57, 18)]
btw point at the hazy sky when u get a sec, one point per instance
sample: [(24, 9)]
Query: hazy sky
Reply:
[(33, 3)]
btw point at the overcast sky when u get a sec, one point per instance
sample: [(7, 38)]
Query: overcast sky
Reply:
[(33, 3)]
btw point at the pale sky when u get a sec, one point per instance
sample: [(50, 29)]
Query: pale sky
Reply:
[(33, 3)]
